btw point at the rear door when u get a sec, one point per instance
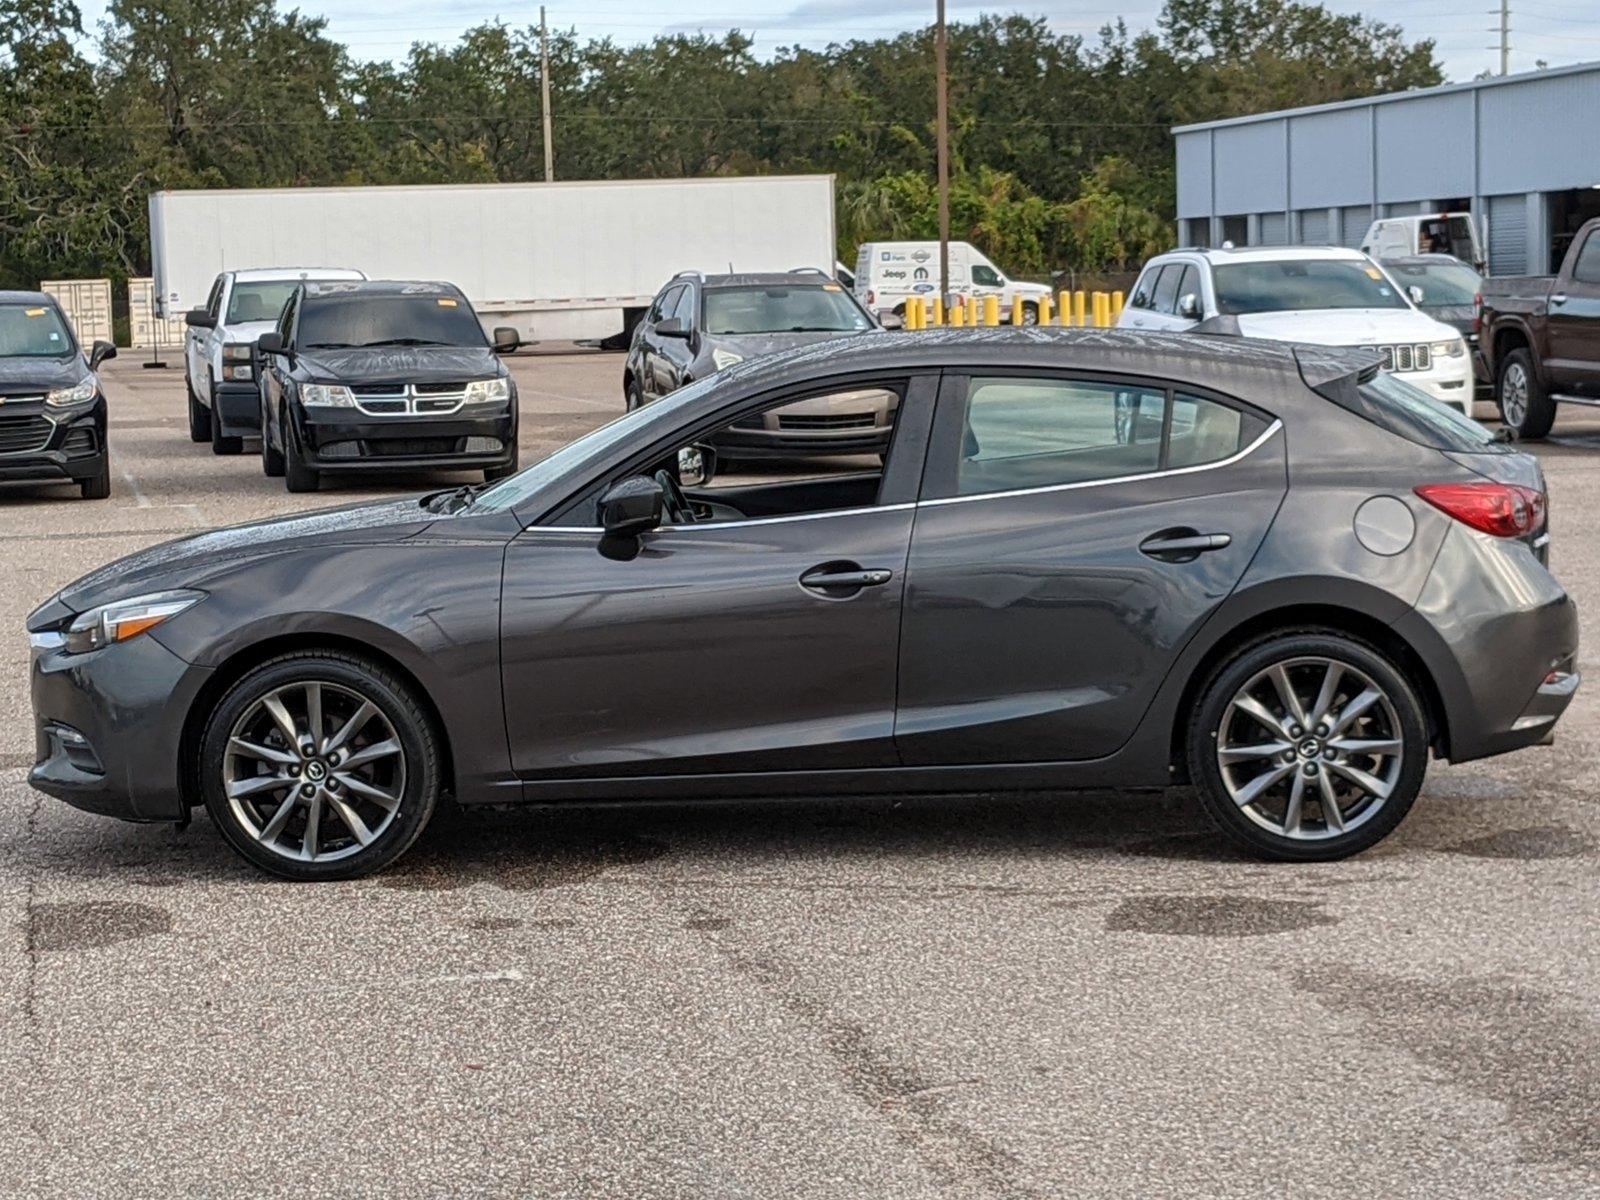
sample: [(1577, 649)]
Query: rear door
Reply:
[(1074, 532), (1574, 322)]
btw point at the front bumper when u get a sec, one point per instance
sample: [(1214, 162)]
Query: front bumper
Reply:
[(237, 404), (338, 440), (108, 725), (850, 423), (52, 446), (1449, 381)]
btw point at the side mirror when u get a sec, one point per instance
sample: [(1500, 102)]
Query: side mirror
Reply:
[(199, 318), (1189, 306), (506, 339), (672, 327), (100, 352), (270, 342), (1415, 293), (697, 465), (631, 507)]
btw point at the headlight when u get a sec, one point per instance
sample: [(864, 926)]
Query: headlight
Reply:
[(489, 391), (124, 619), (326, 395), (234, 372), (79, 393), (1453, 349), (238, 352), (725, 358)]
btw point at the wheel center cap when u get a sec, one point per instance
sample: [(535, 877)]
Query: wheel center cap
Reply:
[(316, 771), (1310, 748)]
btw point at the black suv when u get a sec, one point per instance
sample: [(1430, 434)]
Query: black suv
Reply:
[(52, 411), (384, 376), (699, 324)]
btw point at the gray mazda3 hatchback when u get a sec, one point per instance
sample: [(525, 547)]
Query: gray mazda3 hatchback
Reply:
[(1089, 559)]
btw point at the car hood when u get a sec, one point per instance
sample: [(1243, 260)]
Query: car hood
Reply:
[(248, 331), (753, 345), (30, 376), (187, 562), (401, 364), (1458, 316), (1345, 326)]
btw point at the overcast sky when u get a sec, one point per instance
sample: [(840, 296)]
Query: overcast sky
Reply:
[(1559, 32)]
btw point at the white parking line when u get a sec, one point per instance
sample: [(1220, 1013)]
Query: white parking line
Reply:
[(139, 498)]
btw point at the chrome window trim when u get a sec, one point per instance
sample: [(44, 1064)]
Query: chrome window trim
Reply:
[(1238, 456)]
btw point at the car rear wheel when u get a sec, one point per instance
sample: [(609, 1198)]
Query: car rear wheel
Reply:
[(199, 415), (1030, 314), (1308, 746), (1524, 404), (320, 765)]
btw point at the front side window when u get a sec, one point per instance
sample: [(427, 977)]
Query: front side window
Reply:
[(1166, 297), (1286, 285), (33, 331), (986, 276), (1587, 268), (665, 303), (782, 308), (1443, 285), (684, 308), (214, 300), (356, 320), (261, 301)]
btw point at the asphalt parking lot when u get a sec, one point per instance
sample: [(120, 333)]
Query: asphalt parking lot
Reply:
[(1031, 997)]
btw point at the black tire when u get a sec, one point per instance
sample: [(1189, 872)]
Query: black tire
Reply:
[(632, 398), (271, 457), (1530, 417), (399, 706), (219, 443), (199, 415), (297, 477), (1212, 708), (1030, 314), (98, 485)]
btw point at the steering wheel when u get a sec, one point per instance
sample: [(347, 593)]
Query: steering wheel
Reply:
[(673, 501)]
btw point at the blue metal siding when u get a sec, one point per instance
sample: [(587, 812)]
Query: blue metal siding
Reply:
[(1541, 135), (1251, 172), (1194, 174), (1330, 159), (1425, 148)]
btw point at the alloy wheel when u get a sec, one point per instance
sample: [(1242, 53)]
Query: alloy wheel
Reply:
[(314, 771), (1514, 395), (1310, 748)]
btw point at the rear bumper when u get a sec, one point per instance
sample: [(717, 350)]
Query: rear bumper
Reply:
[(462, 440)]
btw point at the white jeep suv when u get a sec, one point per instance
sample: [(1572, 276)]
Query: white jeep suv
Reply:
[(1326, 295), (219, 368)]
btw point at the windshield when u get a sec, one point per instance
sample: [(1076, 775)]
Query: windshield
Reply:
[(1443, 284), (33, 331), (259, 301), (639, 425), (366, 319), (1417, 417), (1302, 283), (825, 309)]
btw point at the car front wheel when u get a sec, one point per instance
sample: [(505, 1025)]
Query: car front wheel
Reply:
[(271, 456), (297, 476), (1308, 746), (320, 765), (199, 415)]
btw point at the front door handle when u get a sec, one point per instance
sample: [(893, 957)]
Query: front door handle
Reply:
[(1183, 545), (836, 578), (1559, 298)]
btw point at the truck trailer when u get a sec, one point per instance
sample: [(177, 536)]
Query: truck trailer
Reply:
[(554, 260)]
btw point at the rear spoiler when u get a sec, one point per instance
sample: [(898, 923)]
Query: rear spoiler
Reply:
[(1321, 367)]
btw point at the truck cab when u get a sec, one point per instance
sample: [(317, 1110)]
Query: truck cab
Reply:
[(1452, 233), (890, 273), (219, 366), (1540, 337)]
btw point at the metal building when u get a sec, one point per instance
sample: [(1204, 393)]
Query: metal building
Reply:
[(1522, 152)]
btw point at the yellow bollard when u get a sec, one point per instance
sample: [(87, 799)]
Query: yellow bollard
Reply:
[(1016, 310), (1116, 307), (913, 320), (1064, 307), (938, 311), (1080, 308), (1044, 310), (958, 315), (973, 314), (991, 311), (1102, 310)]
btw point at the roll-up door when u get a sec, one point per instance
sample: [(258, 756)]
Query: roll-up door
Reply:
[(1274, 229), (1314, 227), (1356, 219), (1508, 235)]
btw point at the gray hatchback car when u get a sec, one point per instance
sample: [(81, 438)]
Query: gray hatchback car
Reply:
[(1092, 559)]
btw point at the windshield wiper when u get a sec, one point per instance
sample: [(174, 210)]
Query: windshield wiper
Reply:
[(401, 341), (817, 329), (330, 346), (454, 500)]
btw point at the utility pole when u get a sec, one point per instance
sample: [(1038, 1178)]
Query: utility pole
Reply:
[(941, 70), (1505, 36), (544, 90)]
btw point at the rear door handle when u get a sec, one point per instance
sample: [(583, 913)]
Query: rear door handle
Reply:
[(843, 577), (1183, 545)]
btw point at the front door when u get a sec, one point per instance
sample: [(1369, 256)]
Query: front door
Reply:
[(1073, 535), (1574, 322)]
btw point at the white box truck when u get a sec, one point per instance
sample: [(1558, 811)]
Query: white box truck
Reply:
[(555, 260)]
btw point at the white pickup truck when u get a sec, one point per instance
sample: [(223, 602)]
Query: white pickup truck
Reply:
[(219, 348), (1325, 295)]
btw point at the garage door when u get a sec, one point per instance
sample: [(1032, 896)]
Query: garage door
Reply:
[(1274, 229), (1356, 219), (1314, 227), (1508, 235)]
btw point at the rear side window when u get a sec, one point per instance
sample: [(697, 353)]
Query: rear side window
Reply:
[(1032, 433)]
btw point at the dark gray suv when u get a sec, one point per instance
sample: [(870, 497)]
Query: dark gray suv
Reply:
[(700, 324), (1093, 558)]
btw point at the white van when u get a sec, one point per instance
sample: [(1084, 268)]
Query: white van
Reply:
[(1453, 233), (890, 273)]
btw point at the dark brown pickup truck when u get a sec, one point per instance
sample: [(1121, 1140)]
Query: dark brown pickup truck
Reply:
[(1540, 337)]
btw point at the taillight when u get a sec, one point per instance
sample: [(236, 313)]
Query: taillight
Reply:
[(1502, 509)]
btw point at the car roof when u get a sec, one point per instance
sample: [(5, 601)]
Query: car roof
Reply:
[(379, 287), (799, 278), (282, 274), (1249, 368), (1268, 254), (28, 298)]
